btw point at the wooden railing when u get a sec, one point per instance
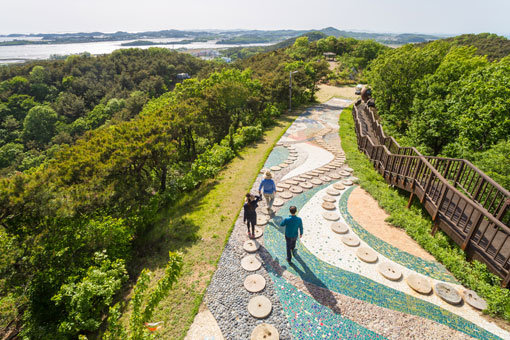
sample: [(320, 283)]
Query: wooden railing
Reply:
[(463, 201)]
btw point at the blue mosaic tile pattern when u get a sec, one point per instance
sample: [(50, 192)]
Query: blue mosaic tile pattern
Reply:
[(310, 320), (431, 269), (277, 156), (311, 269)]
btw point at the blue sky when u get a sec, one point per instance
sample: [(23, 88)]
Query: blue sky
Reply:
[(426, 16)]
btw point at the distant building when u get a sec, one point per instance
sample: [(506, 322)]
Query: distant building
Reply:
[(329, 56), (226, 59), (182, 76)]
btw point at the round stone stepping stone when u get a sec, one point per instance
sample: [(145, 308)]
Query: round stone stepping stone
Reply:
[(279, 189), (328, 206), (250, 263), (331, 216), (319, 171), (347, 182), (338, 186), (263, 171), (283, 185), (344, 173), (285, 195), (251, 246), (299, 179), (314, 174), (306, 185), (339, 227), (258, 232), (306, 176), (296, 190), (291, 182), (292, 158), (275, 168), (265, 331), (325, 179), (316, 181), (289, 161), (447, 293), (254, 283), (278, 202), (279, 144), (333, 192), (350, 240), (335, 175), (366, 255), (259, 307), (474, 300), (262, 219), (349, 169), (330, 199), (389, 271), (330, 167), (283, 165), (419, 284)]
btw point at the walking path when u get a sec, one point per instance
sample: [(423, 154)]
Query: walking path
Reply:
[(329, 292)]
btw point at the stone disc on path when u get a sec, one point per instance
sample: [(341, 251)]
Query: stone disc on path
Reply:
[(291, 182), (349, 169), (265, 331), (314, 173), (279, 189), (347, 182), (330, 167), (335, 176), (283, 165), (279, 144), (419, 284), (389, 271), (292, 158), (254, 283), (288, 161), (283, 185), (344, 173), (447, 293), (262, 219), (316, 181), (325, 178), (350, 240), (263, 171), (275, 168), (328, 206), (333, 192), (278, 202), (258, 232), (474, 300), (339, 228), (319, 171), (285, 195), (338, 186), (331, 216), (251, 246), (259, 307), (306, 185), (250, 263), (296, 190), (366, 255), (329, 199), (306, 176), (299, 179)]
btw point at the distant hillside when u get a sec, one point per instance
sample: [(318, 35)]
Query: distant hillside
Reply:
[(384, 38), (491, 45)]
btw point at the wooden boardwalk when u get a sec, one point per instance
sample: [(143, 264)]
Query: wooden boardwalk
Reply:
[(463, 201)]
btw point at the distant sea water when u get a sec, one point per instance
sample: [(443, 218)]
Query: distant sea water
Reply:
[(22, 53)]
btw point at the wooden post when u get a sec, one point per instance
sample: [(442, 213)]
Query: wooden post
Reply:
[(472, 231), (435, 227), (459, 172), (506, 282), (410, 199)]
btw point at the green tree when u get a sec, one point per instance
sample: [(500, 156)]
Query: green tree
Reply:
[(39, 125)]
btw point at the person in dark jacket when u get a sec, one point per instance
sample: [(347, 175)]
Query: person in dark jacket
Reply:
[(250, 213), (293, 228)]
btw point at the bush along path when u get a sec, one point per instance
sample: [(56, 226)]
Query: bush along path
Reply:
[(344, 283)]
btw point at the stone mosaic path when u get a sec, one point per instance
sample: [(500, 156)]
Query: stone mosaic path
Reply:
[(333, 289)]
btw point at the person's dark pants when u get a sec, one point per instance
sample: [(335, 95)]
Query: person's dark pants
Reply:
[(291, 244), (251, 224)]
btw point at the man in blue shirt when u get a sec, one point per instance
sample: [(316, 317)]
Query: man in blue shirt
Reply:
[(292, 225), (268, 188)]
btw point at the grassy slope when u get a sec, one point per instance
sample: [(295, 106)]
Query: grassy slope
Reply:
[(418, 225), (199, 225)]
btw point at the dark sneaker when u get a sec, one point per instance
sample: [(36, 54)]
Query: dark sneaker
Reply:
[(294, 251)]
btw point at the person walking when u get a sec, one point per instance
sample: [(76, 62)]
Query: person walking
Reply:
[(268, 189), (250, 213), (292, 225)]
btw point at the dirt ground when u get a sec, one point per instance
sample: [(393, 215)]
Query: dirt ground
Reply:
[(365, 210), (326, 92)]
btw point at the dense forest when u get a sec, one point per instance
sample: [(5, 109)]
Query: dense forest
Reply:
[(93, 147), (449, 99)]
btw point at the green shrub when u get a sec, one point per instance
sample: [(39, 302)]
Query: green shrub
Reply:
[(418, 225)]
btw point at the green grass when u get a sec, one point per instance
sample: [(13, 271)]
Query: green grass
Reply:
[(418, 225), (199, 225)]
